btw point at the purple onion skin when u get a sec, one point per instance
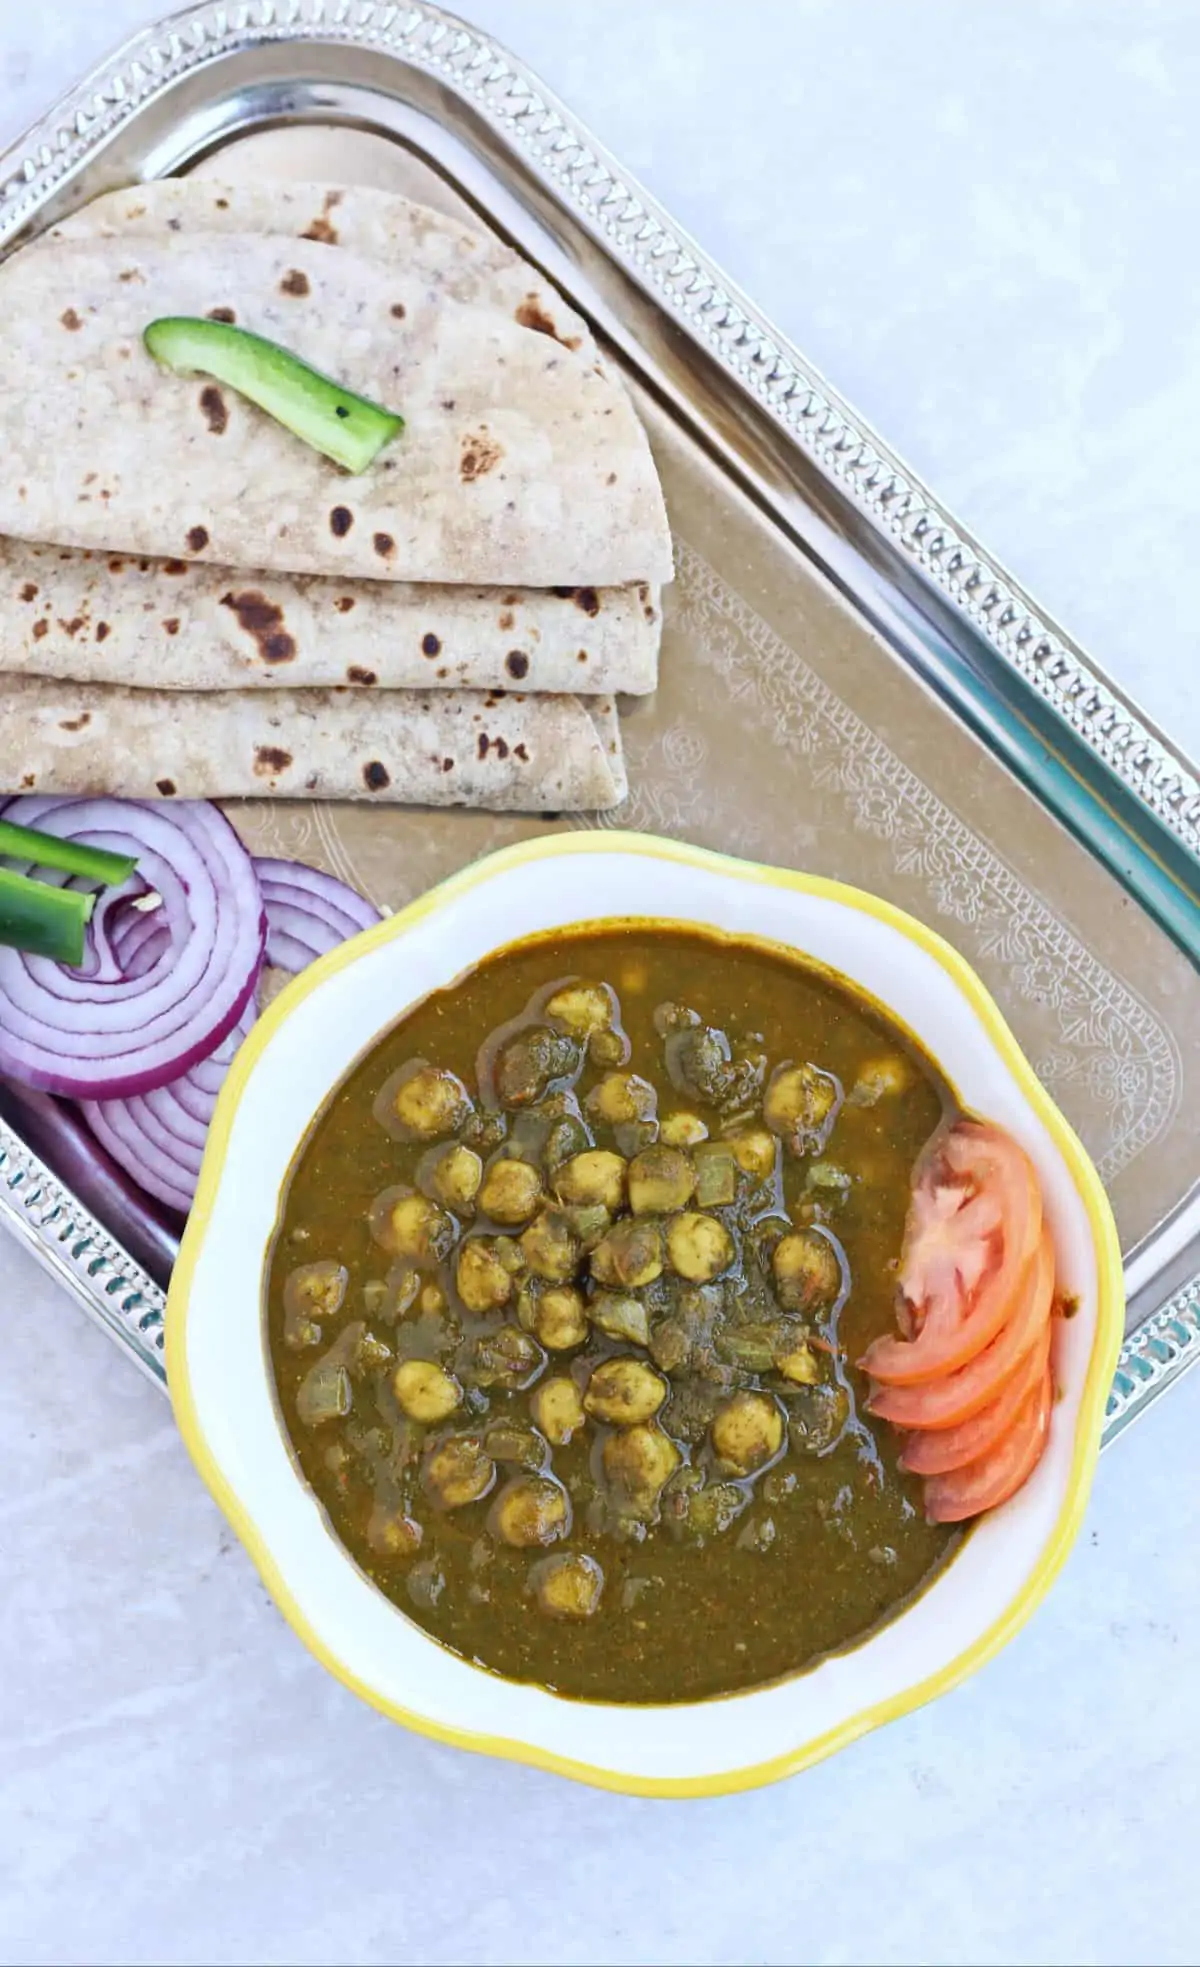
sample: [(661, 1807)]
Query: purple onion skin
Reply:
[(61, 1138)]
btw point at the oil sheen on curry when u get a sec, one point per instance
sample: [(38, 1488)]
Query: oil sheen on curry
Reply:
[(568, 1283)]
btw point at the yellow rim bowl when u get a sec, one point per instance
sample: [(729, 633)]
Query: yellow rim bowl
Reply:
[(220, 1379)]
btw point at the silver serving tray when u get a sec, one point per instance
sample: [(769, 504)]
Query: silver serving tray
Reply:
[(960, 622)]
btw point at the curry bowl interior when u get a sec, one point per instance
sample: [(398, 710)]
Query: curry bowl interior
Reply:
[(223, 1387)]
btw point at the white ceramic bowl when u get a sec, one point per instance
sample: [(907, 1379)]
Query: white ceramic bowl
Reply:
[(221, 1383)]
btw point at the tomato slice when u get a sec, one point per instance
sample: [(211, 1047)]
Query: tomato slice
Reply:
[(951, 1398), (933, 1451), (972, 1232), (990, 1481)]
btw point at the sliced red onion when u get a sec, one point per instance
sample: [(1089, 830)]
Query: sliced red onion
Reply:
[(308, 910), (113, 1030), (158, 1135)]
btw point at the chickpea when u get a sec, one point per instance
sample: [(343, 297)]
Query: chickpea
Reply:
[(807, 1271), (549, 1248), (624, 1392), (630, 1254), (698, 1247), (530, 1061), (882, 1078), (422, 1102), (754, 1150), (531, 1510), (800, 1105), (511, 1192), (748, 1431), (457, 1471), (391, 1533), (483, 1282), (798, 1364), (560, 1318), (682, 1130), (622, 1096), (567, 1586), (425, 1391), (638, 1462), (452, 1176), (411, 1226), (660, 1179), (583, 1008), (433, 1300), (316, 1290), (558, 1409), (596, 1176), (608, 1048)]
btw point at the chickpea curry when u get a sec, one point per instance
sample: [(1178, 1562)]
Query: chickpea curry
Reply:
[(569, 1281)]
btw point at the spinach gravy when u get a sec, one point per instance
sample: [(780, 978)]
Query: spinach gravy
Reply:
[(567, 1286)]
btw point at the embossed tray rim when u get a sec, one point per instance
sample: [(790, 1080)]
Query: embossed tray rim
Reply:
[(64, 1236)]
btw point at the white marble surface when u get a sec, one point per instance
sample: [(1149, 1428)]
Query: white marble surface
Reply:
[(978, 217)]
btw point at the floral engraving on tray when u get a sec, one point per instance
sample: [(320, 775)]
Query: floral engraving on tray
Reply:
[(1116, 1066)]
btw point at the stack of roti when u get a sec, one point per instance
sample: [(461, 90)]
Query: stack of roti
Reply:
[(195, 603)]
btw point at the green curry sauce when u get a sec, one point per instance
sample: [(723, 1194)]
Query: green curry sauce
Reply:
[(714, 1510)]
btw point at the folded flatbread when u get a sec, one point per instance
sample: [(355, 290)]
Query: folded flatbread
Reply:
[(506, 753), (465, 265), (522, 462), (92, 617)]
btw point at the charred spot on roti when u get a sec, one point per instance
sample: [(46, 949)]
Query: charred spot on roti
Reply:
[(430, 646), (507, 620), (516, 662), (171, 624), (70, 319), (29, 592), (168, 566), (611, 479), (447, 764), (587, 599), (320, 229), (269, 759), (174, 225), (215, 408), (355, 674), (40, 628), (486, 744), (344, 603), (294, 282), (28, 782), (225, 314), (531, 314), (222, 204), (73, 626), (520, 752), (399, 310), (384, 545), (116, 565), (79, 723), (581, 655), (166, 787), (131, 273), (197, 538), (102, 631), (447, 402), (480, 454), (340, 521), (264, 620), (375, 776)]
